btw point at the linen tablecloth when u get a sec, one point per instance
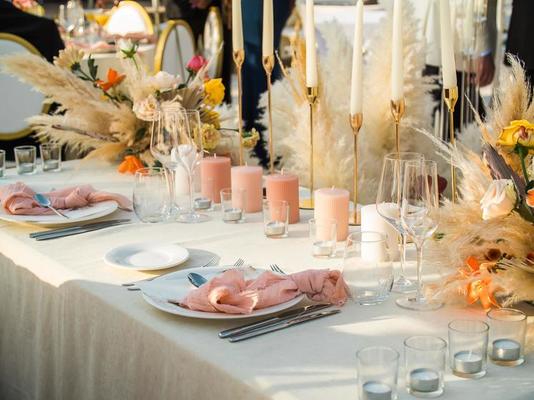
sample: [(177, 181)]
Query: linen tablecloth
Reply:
[(68, 330)]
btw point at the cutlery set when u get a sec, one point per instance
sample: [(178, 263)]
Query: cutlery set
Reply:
[(76, 230)]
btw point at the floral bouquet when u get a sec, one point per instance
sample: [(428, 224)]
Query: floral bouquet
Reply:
[(30, 7)]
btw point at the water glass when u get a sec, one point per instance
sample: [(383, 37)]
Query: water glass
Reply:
[(25, 159), (367, 267), (425, 365), (2, 162), (151, 201), (377, 373), (51, 157), (275, 218), (233, 203), (323, 236), (507, 336), (468, 346)]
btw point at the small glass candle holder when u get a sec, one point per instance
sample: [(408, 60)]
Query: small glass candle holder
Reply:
[(2, 162), (507, 336), (424, 358), (323, 235), (377, 373), (468, 346), (51, 157), (275, 218), (205, 200), (25, 159), (233, 205)]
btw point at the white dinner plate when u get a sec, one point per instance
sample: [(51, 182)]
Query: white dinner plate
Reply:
[(176, 286), (146, 256)]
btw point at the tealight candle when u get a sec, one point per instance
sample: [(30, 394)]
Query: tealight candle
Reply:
[(506, 350), (424, 380), (232, 215), (467, 362), (323, 249), (275, 228), (373, 390), (202, 203)]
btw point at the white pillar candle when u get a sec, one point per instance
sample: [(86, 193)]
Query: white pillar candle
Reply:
[(311, 52), (356, 87), (397, 60), (372, 221), (237, 26), (267, 38), (448, 64)]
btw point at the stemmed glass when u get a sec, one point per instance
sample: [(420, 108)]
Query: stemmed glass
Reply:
[(388, 205), (420, 218)]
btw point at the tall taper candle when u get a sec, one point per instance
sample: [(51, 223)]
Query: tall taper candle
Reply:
[(356, 87), (448, 64), (237, 26), (468, 27), (311, 52), (267, 38), (397, 60)]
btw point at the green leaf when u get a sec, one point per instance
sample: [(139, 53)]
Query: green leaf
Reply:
[(530, 186), (93, 68), (439, 235)]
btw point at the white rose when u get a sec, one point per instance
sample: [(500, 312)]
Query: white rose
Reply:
[(499, 200), (146, 109), (126, 45), (163, 80)]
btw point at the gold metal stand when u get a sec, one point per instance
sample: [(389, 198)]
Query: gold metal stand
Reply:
[(356, 121), (397, 110), (239, 58), (450, 96), (311, 95), (268, 65)]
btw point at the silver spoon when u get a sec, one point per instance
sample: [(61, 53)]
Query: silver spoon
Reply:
[(44, 201)]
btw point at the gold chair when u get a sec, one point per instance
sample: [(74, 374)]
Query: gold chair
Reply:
[(129, 17), (212, 40), (176, 46)]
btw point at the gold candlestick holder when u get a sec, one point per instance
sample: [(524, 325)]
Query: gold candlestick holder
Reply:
[(450, 96), (268, 65), (311, 96), (397, 110), (239, 58), (356, 121)]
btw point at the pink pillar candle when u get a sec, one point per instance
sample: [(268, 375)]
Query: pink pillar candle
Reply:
[(333, 204), (249, 178), (285, 187), (214, 176)]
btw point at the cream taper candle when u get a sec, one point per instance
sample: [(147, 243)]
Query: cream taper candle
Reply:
[(468, 27), (397, 60), (311, 52), (356, 87), (237, 26), (448, 65), (267, 38)]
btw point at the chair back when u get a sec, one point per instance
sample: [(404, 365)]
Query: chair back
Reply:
[(129, 17), (212, 41), (176, 46), (18, 101)]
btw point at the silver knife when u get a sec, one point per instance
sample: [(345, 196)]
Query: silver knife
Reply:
[(71, 228), (78, 231), (283, 325), (271, 320)]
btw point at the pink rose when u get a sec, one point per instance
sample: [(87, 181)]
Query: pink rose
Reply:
[(196, 63)]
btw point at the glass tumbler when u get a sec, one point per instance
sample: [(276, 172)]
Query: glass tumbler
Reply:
[(424, 358), (507, 336), (25, 159), (233, 203), (151, 200), (51, 157), (275, 218), (468, 346), (377, 373), (367, 267), (2, 162), (323, 236)]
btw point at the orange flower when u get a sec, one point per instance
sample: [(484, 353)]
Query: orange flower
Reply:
[(478, 289), (114, 79), (130, 164), (530, 197)]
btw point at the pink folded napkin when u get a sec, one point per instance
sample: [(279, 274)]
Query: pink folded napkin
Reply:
[(231, 293), (18, 199)]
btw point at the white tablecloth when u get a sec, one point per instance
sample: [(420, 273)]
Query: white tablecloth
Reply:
[(68, 330)]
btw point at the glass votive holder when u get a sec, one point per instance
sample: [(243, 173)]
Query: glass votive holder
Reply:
[(233, 205), (468, 346), (323, 235), (507, 336), (2, 162), (51, 157), (424, 358), (275, 218), (204, 200), (377, 373), (151, 200), (25, 159)]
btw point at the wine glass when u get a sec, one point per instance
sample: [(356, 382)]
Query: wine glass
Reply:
[(74, 16), (388, 205), (420, 218)]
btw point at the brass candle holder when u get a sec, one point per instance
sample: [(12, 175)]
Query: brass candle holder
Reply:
[(268, 65), (239, 58), (450, 97), (311, 96), (356, 121), (397, 110)]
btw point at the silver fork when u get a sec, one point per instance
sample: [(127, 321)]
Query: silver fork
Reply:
[(276, 268)]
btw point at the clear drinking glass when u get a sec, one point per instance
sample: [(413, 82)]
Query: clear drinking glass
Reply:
[(74, 16), (275, 218), (25, 158), (420, 218), (150, 195), (377, 373), (2, 162), (507, 336), (233, 203), (367, 267), (468, 346), (51, 157), (424, 358), (323, 235), (388, 205)]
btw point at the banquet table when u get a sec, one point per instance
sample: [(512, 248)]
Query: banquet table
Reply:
[(69, 330)]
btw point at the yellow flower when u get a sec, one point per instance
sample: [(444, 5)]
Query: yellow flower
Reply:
[(69, 58), (250, 138), (210, 137), (214, 90), (519, 131)]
